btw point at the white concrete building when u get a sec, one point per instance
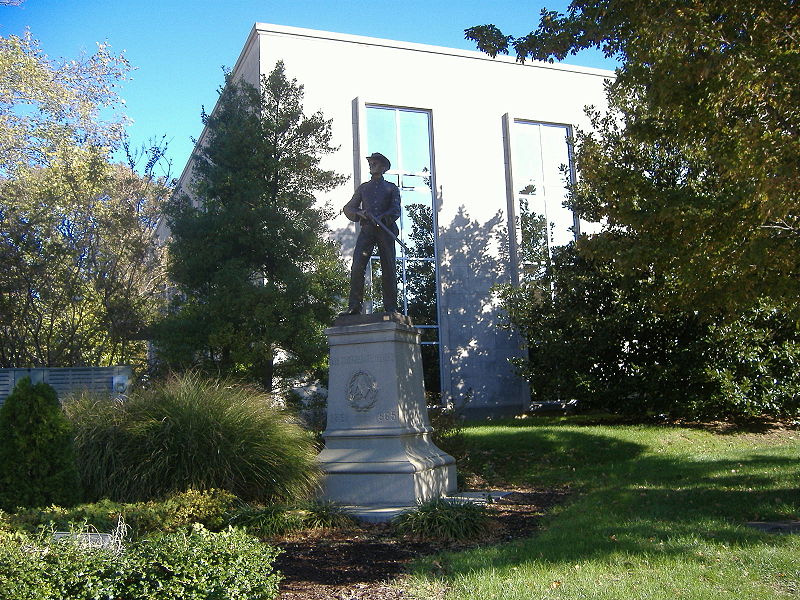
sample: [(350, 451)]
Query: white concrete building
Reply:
[(477, 145)]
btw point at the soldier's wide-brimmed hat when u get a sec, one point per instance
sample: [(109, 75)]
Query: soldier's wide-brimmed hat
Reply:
[(378, 156)]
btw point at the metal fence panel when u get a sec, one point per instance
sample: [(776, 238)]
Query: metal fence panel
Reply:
[(66, 380)]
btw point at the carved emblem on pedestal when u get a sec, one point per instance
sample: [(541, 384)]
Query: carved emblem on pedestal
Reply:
[(362, 391)]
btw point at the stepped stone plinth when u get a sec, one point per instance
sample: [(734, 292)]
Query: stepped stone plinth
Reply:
[(379, 458)]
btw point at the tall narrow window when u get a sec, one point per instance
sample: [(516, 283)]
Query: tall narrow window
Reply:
[(542, 168), (404, 137)]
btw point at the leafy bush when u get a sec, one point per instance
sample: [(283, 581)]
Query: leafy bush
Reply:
[(6, 521), (178, 512), (199, 564), (190, 433), (598, 337), (228, 564), (37, 462), (39, 568), (442, 519)]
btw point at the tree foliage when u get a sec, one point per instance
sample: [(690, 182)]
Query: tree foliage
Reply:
[(420, 292), (50, 111), (82, 274), (37, 460), (594, 335), (256, 277), (695, 167)]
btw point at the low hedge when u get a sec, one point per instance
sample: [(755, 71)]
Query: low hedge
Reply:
[(198, 564), (178, 512)]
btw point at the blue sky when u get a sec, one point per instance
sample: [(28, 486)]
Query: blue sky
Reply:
[(178, 47)]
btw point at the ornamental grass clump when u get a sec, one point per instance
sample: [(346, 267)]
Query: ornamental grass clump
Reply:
[(445, 520), (277, 519), (191, 433)]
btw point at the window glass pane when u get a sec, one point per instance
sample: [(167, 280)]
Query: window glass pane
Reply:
[(419, 286), (527, 159), (418, 230), (373, 291), (382, 133), (555, 170), (415, 147), (403, 136), (540, 159), (535, 249), (430, 372), (420, 184)]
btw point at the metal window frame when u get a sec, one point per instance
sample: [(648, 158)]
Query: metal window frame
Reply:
[(360, 106), (512, 197)]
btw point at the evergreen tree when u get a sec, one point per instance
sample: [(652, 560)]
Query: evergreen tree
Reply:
[(37, 460), (257, 278)]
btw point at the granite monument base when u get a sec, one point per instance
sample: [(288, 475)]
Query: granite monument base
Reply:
[(378, 458)]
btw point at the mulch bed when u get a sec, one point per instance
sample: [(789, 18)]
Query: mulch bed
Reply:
[(359, 563)]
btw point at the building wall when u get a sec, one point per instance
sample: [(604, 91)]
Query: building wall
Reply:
[(468, 95)]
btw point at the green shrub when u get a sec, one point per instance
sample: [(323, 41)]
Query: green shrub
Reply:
[(442, 519), (198, 564), (178, 512), (228, 564), (6, 521), (190, 433), (599, 337), (37, 461), (38, 568)]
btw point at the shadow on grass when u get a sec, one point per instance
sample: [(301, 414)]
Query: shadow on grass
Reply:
[(632, 500)]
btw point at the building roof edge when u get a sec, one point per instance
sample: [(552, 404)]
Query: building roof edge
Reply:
[(269, 28)]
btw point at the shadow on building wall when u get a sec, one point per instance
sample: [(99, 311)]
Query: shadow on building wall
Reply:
[(346, 238), (473, 257)]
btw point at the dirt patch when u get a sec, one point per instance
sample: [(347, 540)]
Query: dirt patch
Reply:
[(360, 563)]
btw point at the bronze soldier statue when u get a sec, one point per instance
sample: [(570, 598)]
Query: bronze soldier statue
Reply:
[(376, 204)]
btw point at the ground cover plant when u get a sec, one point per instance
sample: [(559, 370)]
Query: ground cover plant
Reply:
[(191, 433), (279, 519), (656, 512)]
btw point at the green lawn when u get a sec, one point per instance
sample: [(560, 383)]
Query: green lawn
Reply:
[(656, 512)]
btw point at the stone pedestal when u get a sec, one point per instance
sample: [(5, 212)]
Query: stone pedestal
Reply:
[(378, 458)]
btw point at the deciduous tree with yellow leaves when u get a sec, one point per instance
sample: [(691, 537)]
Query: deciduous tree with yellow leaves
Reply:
[(81, 273)]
